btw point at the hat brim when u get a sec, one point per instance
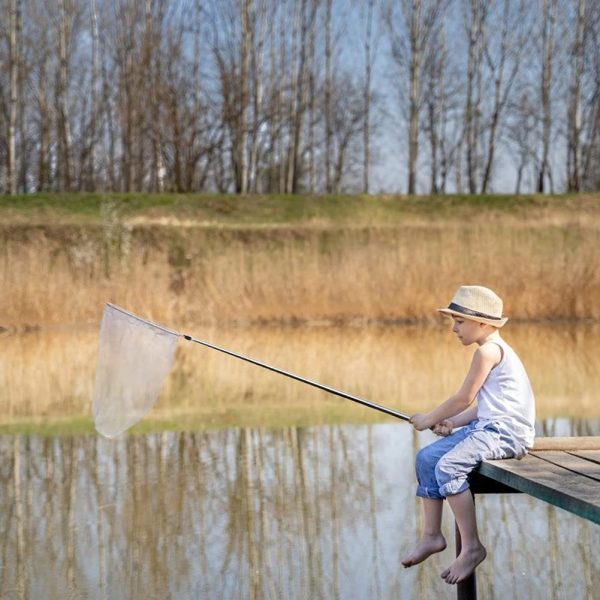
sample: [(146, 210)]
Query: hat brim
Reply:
[(495, 322)]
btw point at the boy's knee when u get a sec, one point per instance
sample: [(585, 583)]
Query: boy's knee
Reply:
[(425, 459), (450, 478), (444, 471)]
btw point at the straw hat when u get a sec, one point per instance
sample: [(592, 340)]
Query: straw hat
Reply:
[(476, 303)]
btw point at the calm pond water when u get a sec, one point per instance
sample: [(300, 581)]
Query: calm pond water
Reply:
[(277, 511), (48, 377), (318, 512)]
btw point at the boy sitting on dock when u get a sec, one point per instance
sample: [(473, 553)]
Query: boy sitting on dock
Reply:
[(501, 425)]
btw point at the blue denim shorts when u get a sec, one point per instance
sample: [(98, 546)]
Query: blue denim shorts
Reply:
[(443, 467)]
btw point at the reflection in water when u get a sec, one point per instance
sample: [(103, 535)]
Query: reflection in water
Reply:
[(413, 368), (320, 512)]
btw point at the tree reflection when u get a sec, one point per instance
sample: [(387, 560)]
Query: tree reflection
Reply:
[(320, 512)]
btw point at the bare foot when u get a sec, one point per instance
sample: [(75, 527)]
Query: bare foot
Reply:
[(428, 545), (465, 563)]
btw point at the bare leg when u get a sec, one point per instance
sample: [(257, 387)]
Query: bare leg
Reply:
[(472, 551), (432, 541)]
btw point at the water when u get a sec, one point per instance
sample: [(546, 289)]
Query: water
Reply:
[(276, 510), (317, 512), (48, 377)]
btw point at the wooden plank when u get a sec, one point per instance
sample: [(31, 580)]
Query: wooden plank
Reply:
[(539, 473), (548, 482), (567, 443), (541, 478), (593, 455), (571, 462)]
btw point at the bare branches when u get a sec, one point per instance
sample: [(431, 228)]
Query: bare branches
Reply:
[(258, 96)]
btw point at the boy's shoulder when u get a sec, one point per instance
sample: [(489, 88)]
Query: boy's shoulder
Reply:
[(490, 351)]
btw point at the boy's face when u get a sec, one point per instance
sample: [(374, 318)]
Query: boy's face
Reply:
[(469, 332)]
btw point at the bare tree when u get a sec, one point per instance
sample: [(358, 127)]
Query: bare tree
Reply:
[(574, 163), (242, 149), (257, 58), (416, 49), (328, 91), (506, 57), (93, 129), (410, 36), (548, 52), (591, 123), (305, 17), (66, 12), (153, 43), (347, 121), (367, 95), (14, 28), (476, 13), (434, 82), (264, 95), (232, 48), (312, 108), (521, 132)]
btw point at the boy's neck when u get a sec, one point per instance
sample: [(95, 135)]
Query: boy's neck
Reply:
[(491, 336)]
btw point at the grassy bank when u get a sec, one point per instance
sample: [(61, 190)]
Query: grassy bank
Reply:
[(186, 260), (211, 210)]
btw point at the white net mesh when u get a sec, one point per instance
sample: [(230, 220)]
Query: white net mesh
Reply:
[(134, 359)]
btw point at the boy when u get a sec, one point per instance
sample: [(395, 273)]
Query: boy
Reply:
[(501, 425)]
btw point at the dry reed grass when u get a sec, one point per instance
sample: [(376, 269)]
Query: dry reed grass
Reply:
[(47, 376), (187, 276)]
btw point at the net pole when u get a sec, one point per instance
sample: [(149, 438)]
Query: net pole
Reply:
[(325, 388)]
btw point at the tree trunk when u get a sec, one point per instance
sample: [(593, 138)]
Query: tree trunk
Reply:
[(109, 119), (415, 71), (328, 91), (281, 115), (258, 79), (475, 29), (312, 74), (14, 20), (500, 95), (64, 124), (242, 128), (43, 178), (367, 99), (546, 82), (574, 176), (91, 179)]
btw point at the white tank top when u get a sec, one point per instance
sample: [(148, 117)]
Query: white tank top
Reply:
[(506, 396)]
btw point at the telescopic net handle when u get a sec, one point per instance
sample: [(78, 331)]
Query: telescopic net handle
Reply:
[(325, 388)]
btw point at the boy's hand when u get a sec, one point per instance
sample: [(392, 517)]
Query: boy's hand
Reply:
[(419, 421), (443, 428)]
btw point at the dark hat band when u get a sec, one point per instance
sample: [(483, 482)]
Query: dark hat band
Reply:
[(471, 313)]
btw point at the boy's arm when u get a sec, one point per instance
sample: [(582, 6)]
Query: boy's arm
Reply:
[(484, 360), (465, 417), (446, 427)]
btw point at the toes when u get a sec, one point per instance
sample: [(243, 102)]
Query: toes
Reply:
[(449, 577)]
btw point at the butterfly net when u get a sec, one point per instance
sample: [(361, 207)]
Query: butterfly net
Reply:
[(134, 359)]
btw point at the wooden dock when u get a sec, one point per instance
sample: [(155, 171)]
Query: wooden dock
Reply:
[(564, 472)]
